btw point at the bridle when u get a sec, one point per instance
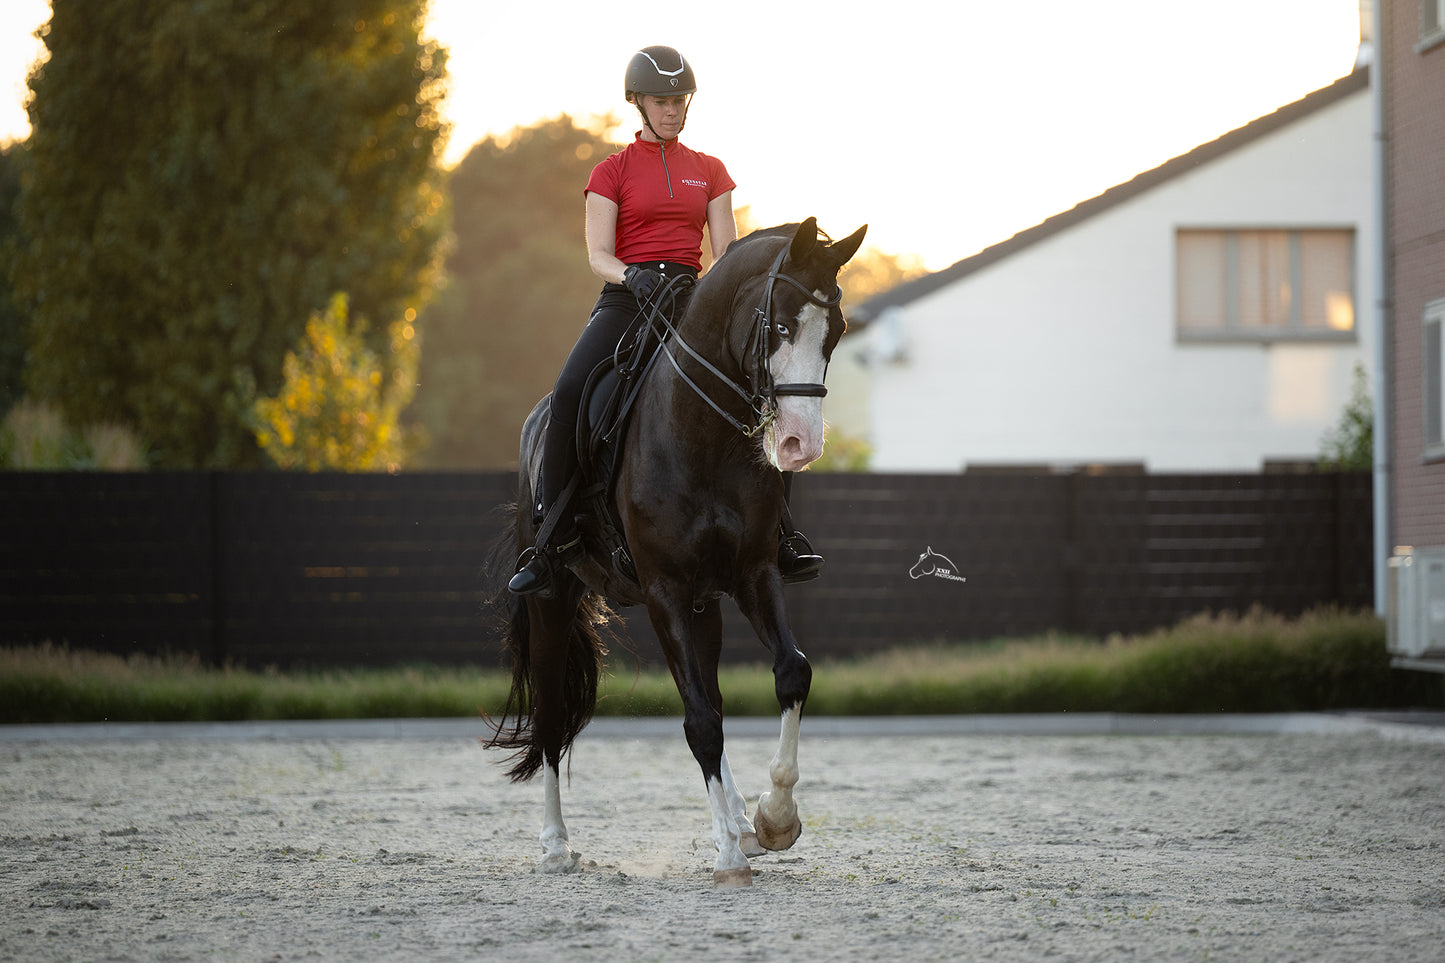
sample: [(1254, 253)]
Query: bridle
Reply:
[(761, 392)]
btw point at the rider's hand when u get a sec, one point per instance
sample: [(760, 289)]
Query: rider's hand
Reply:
[(642, 282)]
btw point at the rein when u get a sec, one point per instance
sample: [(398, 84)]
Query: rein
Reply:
[(764, 391)]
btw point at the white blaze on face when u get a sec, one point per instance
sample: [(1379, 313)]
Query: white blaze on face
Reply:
[(795, 439)]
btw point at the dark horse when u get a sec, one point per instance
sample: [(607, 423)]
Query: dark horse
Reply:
[(735, 399)]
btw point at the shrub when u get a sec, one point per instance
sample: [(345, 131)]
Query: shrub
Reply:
[(35, 437), (1252, 663), (341, 404)]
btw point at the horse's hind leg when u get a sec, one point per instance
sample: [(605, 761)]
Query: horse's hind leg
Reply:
[(557, 855), (551, 622), (738, 806)]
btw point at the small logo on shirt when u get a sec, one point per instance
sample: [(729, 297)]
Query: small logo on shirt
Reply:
[(694, 182)]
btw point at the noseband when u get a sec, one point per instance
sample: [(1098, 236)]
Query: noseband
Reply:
[(762, 391)]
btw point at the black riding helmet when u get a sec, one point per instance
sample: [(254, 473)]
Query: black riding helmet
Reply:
[(661, 72)]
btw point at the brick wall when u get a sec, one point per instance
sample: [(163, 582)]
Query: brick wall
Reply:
[(1414, 90)]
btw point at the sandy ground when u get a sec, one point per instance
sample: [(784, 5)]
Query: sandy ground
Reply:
[(1319, 842)]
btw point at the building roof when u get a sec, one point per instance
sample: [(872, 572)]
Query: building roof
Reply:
[(1150, 179)]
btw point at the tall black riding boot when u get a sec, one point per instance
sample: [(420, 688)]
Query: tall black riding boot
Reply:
[(797, 562), (538, 564)]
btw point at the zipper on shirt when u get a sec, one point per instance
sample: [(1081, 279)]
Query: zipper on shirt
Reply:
[(662, 149)]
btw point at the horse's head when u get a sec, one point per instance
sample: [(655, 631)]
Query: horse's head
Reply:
[(800, 326)]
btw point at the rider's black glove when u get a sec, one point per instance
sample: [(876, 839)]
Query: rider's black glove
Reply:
[(641, 281)]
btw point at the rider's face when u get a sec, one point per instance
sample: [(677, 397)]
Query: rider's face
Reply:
[(666, 114)]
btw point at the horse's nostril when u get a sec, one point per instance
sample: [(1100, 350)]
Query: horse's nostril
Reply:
[(792, 453)]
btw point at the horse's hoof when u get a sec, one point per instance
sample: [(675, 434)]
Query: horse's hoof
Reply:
[(732, 878), (558, 863), (776, 838), (750, 845)]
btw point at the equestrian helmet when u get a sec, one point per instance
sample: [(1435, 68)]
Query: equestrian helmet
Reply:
[(659, 71)]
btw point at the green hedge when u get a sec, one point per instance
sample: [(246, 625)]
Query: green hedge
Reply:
[(1255, 663)]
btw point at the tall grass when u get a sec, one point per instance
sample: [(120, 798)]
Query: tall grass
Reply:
[(1254, 663), (55, 684)]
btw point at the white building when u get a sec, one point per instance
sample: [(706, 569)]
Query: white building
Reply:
[(1205, 316)]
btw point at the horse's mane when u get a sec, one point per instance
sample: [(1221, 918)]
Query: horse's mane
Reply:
[(777, 230), (744, 258), (750, 245)]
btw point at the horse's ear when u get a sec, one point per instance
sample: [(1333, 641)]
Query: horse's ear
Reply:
[(805, 238), (842, 251)]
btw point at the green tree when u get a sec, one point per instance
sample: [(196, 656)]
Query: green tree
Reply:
[(341, 404), (518, 290), (205, 175), (873, 271), (14, 325), (1350, 445)]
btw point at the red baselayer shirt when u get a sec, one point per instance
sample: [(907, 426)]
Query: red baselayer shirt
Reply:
[(660, 214)]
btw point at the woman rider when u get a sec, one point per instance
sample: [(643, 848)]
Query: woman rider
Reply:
[(647, 206)]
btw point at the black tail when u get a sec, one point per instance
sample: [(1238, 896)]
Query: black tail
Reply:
[(586, 650)]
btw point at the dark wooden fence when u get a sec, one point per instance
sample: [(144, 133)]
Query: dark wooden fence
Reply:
[(326, 569)]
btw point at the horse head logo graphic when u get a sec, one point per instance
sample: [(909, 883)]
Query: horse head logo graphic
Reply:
[(939, 566)]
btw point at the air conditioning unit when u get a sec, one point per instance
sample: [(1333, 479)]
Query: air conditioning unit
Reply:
[(1415, 616)]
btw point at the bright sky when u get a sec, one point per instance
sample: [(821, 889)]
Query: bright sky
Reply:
[(947, 128)]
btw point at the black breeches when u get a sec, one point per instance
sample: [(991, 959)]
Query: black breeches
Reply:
[(612, 317)]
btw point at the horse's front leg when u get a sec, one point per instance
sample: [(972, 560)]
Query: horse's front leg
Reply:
[(776, 822), (692, 641)]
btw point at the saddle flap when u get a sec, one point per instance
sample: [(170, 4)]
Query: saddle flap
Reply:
[(597, 416)]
